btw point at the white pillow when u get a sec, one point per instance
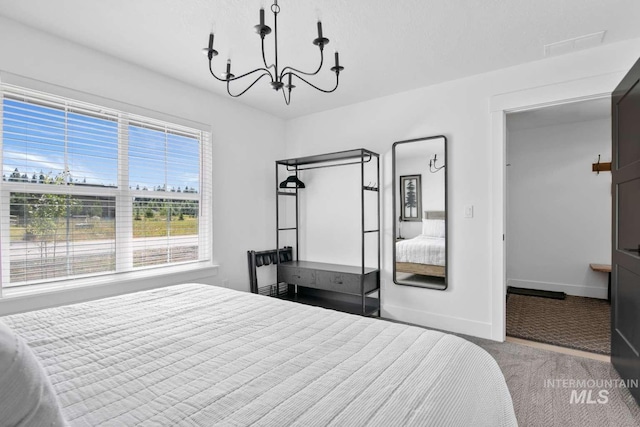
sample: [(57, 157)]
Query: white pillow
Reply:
[(26, 395), (433, 228)]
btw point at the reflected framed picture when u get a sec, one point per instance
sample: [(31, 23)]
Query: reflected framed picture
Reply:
[(411, 198)]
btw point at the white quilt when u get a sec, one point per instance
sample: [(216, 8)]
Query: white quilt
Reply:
[(422, 250), (200, 355)]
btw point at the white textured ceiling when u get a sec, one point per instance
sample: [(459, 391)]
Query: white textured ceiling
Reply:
[(386, 46), (582, 111)]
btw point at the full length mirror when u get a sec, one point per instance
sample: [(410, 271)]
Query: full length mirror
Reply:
[(420, 212)]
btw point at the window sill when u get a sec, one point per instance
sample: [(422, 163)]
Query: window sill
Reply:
[(51, 294)]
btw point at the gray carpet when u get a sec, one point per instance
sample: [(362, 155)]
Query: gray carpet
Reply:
[(526, 369)]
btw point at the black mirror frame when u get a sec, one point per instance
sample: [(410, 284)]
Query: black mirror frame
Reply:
[(446, 209)]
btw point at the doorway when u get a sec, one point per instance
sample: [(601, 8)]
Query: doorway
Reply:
[(558, 225)]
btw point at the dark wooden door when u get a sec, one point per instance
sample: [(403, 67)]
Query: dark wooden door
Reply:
[(625, 298)]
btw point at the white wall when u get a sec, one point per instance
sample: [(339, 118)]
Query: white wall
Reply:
[(459, 110), (330, 221), (558, 211), (432, 190), (245, 144)]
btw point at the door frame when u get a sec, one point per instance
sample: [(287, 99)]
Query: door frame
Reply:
[(596, 87)]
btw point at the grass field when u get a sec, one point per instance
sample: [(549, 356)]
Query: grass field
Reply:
[(158, 227), (82, 229)]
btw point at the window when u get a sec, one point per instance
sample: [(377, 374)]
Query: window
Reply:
[(88, 190)]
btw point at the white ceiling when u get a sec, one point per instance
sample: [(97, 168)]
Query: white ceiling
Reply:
[(385, 46), (595, 109)]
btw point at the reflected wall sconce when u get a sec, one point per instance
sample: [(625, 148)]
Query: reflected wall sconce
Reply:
[(433, 167)]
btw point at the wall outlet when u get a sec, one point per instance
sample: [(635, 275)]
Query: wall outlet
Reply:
[(468, 211), (225, 283)]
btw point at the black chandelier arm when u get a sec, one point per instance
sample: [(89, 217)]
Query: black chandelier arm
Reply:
[(214, 74), (282, 74), (264, 58), (251, 72), (249, 87), (286, 101), (239, 77), (316, 87)]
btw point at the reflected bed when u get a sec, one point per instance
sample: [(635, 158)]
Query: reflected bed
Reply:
[(425, 254), (421, 255)]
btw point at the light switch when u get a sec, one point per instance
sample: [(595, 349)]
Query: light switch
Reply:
[(468, 211)]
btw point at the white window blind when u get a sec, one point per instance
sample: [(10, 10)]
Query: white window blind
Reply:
[(89, 190)]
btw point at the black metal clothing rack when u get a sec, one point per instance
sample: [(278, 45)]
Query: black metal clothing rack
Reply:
[(332, 286)]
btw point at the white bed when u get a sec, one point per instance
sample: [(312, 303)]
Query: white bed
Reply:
[(422, 250), (425, 254), (204, 356)]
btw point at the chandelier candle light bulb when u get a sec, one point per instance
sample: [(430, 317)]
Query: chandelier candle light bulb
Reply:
[(290, 86), (273, 72), (337, 68), (210, 51), (228, 76)]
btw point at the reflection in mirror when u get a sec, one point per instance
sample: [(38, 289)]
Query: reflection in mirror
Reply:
[(420, 212)]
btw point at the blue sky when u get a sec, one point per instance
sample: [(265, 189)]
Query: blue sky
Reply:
[(88, 147)]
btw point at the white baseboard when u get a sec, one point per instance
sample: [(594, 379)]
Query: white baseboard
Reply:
[(437, 321), (575, 290)]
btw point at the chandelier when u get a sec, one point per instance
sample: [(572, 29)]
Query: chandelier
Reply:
[(277, 75)]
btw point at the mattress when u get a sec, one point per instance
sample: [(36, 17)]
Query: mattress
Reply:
[(200, 355), (422, 250)]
